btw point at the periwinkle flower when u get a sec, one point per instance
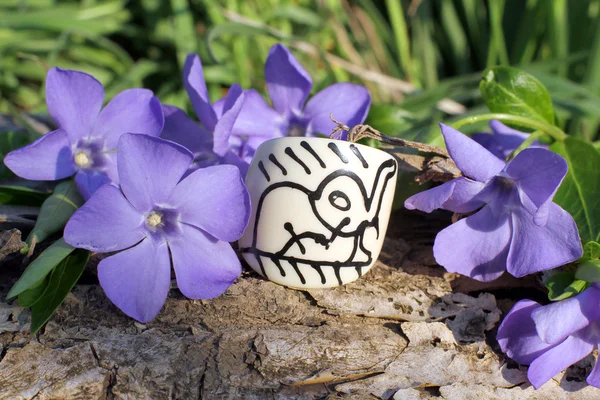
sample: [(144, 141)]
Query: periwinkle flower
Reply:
[(516, 228), (503, 140), (209, 141), (86, 139), (289, 85), (553, 337), (156, 219)]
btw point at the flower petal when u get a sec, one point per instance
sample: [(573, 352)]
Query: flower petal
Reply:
[(594, 376), (558, 320), (131, 111), (475, 246), (431, 199), (231, 109), (233, 159), (517, 335), (47, 159), (205, 267), (179, 128), (89, 181), (195, 85), (538, 248), (74, 100), (150, 168), (215, 200), (470, 157), (106, 222), (502, 141), (346, 102), (464, 196), (257, 118), (288, 83), (137, 280), (556, 359), (539, 173)]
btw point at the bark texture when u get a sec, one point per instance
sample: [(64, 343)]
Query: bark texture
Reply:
[(401, 332)]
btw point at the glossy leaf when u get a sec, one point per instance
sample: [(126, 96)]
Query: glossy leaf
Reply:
[(512, 91), (62, 280), (579, 192), (21, 196), (56, 211), (563, 285), (41, 266), (10, 141), (589, 271), (32, 295), (591, 251)]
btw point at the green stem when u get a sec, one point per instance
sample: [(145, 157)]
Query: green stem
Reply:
[(526, 143), (551, 130)]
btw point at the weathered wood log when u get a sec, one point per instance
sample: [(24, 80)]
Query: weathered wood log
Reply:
[(400, 332)]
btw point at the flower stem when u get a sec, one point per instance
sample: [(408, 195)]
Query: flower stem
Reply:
[(551, 130), (526, 143)]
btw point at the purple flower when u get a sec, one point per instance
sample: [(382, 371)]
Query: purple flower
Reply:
[(553, 337), (158, 219), (503, 140), (517, 227), (87, 137), (210, 140), (289, 85)]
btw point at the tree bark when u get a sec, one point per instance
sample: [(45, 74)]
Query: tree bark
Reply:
[(400, 332)]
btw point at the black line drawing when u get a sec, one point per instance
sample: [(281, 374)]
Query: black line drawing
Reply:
[(307, 147), (293, 156), (359, 156), (341, 207), (261, 166), (275, 161), (337, 152)]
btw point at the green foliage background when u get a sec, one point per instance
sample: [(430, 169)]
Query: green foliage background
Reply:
[(421, 59)]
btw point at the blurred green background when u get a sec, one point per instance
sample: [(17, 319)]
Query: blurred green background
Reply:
[(421, 59)]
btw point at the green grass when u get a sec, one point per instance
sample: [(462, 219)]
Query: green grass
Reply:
[(411, 55)]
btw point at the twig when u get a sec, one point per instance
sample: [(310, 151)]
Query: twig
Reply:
[(437, 167)]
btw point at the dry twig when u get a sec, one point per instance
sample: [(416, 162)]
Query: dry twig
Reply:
[(437, 167)]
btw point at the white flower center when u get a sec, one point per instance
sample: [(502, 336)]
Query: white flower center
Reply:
[(82, 159), (154, 219)]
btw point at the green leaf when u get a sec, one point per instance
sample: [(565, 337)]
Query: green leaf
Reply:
[(40, 267), (589, 271), (238, 28), (297, 14), (21, 196), (10, 141), (62, 280), (512, 91), (32, 295), (563, 285), (579, 191), (56, 211), (591, 251)]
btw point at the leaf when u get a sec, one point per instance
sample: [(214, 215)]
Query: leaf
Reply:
[(41, 266), (512, 91), (591, 251), (10, 141), (56, 211), (21, 195), (563, 285), (589, 271), (32, 295), (62, 280), (579, 191), (237, 28), (297, 14)]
